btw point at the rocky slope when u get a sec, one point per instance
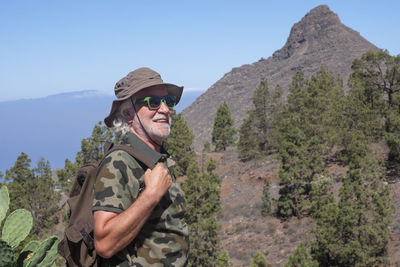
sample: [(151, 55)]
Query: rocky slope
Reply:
[(319, 39), (244, 231)]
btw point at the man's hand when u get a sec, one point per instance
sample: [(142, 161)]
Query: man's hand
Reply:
[(157, 181)]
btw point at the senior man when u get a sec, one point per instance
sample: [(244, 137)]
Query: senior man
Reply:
[(138, 212)]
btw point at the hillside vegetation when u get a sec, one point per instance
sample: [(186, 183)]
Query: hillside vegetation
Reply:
[(309, 178)]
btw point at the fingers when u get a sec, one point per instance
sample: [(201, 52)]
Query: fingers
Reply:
[(157, 180)]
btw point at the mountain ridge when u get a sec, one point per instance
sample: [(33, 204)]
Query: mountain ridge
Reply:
[(318, 39)]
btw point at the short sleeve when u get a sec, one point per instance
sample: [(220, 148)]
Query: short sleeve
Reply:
[(117, 182)]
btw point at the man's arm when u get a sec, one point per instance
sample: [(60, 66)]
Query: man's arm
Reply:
[(114, 231)]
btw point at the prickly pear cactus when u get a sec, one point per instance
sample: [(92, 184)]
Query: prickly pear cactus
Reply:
[(6, 254), (31, 246), (4, 202), (27, 252), (46, 254), (17, 227)]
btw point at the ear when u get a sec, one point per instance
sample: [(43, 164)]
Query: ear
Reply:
[(128, 114)]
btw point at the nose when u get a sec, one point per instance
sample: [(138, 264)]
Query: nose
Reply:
[(164, 108)]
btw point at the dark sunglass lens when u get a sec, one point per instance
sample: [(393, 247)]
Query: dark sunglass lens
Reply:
[(154, 102), (170, 100)]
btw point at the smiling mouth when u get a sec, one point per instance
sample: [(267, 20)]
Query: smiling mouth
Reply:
[(161, 121)]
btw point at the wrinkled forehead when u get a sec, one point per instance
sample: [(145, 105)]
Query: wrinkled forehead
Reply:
[(157, 90)]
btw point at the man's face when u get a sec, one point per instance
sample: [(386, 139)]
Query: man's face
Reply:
[(157, 122)]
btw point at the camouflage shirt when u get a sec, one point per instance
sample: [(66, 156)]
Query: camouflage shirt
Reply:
[(163, 239)]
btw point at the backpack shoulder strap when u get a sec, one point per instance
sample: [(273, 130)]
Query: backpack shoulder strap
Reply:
[(149, 159)]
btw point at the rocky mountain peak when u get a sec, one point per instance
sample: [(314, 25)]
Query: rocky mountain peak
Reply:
[(318, 39), (316, 24)]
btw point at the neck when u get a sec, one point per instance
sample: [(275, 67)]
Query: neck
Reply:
[(152, 144)]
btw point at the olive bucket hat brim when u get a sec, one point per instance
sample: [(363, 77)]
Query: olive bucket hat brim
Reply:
[(136, 81)]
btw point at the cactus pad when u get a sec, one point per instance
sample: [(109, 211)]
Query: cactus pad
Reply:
[(27, 252), (4, 202), (31, 246), (17, 227), (46, 254), (6, 254)]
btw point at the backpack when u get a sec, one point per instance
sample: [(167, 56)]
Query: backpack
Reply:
[(77, 245)]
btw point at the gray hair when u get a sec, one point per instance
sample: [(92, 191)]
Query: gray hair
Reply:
[(120, 127)]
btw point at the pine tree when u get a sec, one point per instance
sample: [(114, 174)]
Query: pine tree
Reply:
[(179, 143), (42, 198), (308, 130), (257, 134), (223, 260), (92, 148), (67, 174), (259, 260), (261, 101), (354, 231), (392, 133), (248, 147), (223, 131), (275, 114), (206, 147), (33, 189), (266, 200), (377, 76), (301, 258), (362, 124), (19, 174), (202, 192), (320, 195)]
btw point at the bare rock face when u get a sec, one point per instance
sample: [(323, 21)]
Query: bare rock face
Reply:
[(319, 39)]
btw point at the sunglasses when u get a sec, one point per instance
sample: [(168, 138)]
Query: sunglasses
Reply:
[(154, 102)]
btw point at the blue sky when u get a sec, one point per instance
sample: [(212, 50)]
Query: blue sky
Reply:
[(49, 47)]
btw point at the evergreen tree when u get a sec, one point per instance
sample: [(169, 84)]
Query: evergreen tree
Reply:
[(247, 145), (308, 130), (92, 148), (261, 101), (67, 175), (257, 134), (301, 258), (206, 147), (42, 198), (19, 174), (211, 166), (275, 114), (178, 144), (392, 133), (223, 260), (259, 260), (377, 76), (266, 200), (354, 231), (223, 131), (33, 189), (202, 192), (320, 195), (362, 124)]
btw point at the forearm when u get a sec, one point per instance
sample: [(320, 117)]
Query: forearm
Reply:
[(114, 233)]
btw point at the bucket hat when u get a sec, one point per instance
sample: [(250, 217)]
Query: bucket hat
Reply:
[(136, 81)]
